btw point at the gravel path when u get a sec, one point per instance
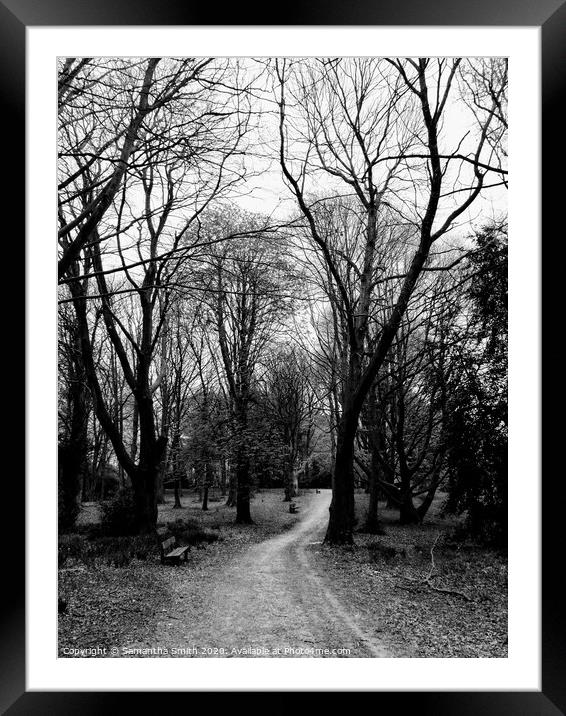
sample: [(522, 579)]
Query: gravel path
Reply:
[(269, 601)]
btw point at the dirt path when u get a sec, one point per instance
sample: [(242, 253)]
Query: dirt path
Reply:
[(268, 598)]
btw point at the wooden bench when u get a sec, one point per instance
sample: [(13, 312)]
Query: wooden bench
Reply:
[(170, 552), (293, 508)]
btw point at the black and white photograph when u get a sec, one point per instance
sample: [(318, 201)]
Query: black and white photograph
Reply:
[(282, 357)]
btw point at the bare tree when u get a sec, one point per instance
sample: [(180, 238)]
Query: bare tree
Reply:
[(375, 127), (290, 401), (189, 125), (248, 293), (402, 421)]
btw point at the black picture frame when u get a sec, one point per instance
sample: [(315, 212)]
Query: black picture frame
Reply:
[(550, 15)]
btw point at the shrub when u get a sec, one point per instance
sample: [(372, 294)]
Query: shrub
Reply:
[(191, 533), (379, 552), (118, 516), (319, 476), (115, 551), (120, 551), (68, 512), (68, 508), (77, 547)]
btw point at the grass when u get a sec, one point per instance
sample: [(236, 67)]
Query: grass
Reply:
[(269, 512)]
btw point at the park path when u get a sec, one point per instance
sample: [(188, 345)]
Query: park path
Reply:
[(271, 597)]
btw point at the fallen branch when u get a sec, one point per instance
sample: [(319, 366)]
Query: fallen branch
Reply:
[(427, 581), (450, 591)]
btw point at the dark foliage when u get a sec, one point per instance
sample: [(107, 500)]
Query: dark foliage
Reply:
[(117, 551), (118, 514), (69, 459), (318, 476), (477, 424), (187, 532)]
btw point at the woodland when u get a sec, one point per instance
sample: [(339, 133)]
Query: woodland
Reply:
[(281, 281)]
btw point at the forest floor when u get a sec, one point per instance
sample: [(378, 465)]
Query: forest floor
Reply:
[(273, 589), (410, 613)]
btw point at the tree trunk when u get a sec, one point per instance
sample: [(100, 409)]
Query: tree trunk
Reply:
[(177, 482), (243, 516), (372, 524), (408, 514), (294, 484), (89, 476), (73, 454), (161, 473), (151, 450), (160, 487), (291, 484), (423, 508), (144, 483), (71, 466), (243, 477), (342, 517), (208, 481), (223, 477), (231, 501), (175, 467), (135, 424)]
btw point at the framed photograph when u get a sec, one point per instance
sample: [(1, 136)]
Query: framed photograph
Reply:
[(269, 362)]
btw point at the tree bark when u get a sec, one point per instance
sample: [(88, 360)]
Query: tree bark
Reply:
[(144, 482), (176, 483), (408, 513), (73, 452), (231, 501), (243, 515), (342, 516), (223, 477), (372, 524), (424, 507), (294, 484), (291, 484), (160, 488)]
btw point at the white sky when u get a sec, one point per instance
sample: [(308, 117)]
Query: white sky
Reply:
[(270, 194)]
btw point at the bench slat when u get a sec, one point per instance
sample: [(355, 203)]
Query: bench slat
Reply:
[(168, 543), (177, 552)]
